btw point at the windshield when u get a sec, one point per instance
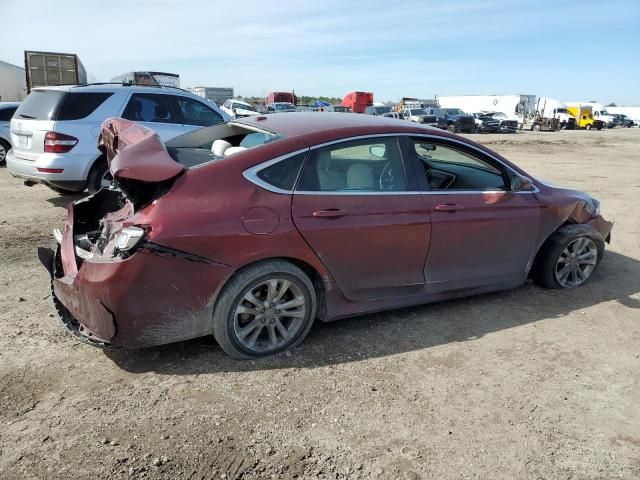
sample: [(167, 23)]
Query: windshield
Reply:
[(562, 110), (382, 110), (340, 109), (242, 106), (418, 111), (454, 111), (285, 106)]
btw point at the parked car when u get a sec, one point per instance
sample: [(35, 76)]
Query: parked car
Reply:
[(485, 123), (332, 108), (7, 109), (54, 130), (290, 218), (377, 110), (281, 107), (506, 124), (419, 115), (238, 108), (623, 120), (454, 120)]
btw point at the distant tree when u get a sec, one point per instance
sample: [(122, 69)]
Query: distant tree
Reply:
[(612, 104)]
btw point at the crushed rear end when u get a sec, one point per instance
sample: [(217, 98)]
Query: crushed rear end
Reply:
[(112, 281)]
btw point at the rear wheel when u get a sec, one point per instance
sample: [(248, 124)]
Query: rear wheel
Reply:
[(267, 308), (4, 149), (99, 176), (569, 257)]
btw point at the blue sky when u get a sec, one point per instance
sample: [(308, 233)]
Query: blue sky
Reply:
[(570, 50)]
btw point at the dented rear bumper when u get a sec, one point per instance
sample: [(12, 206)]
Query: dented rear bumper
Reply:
[(155, 296)]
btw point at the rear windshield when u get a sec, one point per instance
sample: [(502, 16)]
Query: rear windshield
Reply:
[(60, 105), (41, 105)]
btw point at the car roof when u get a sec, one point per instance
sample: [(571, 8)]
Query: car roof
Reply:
[(327, 126), (111, 87)]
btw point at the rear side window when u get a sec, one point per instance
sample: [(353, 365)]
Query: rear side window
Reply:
[(283, 174), (7, 113), (194, 112), (41, 105), (78, 105), (149, 107)]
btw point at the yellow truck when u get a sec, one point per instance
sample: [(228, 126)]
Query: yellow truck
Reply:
[(584, 116)]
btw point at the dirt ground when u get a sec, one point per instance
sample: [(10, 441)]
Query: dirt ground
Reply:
[(526, 384)]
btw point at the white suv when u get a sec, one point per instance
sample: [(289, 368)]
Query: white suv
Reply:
[(55, 130)]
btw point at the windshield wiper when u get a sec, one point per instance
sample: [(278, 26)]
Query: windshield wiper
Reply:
[(27, 116)]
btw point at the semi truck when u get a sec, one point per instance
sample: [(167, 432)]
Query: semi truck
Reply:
[(217, 95), (152, 79), (282, 97), (49, 68), (358, 101), (514, 106)]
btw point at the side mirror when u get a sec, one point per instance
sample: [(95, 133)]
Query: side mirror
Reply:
[(521, 184), (377, 151)]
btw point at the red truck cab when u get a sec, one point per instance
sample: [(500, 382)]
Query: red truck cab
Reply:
[(358, 101), (276, 97)]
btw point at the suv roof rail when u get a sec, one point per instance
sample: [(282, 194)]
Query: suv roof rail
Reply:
[(126, 84)]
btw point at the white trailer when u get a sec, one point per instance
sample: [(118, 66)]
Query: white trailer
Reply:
[(632, 112), (13, 84), (217, 95), (511, 105)]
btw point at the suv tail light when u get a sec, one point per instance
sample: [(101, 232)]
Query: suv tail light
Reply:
[(58, 142)]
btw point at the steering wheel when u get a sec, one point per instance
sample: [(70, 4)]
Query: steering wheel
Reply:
[(387, 181)]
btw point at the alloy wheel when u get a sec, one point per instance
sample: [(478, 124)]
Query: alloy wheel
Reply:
[(3, 153), (576, 262), (269, 315)]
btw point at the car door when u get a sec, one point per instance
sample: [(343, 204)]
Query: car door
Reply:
[(154, 110), (194, 114), (359, 209), (482, 233)]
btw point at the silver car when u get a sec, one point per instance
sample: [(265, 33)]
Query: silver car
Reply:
[(54, 132), (7, 109)]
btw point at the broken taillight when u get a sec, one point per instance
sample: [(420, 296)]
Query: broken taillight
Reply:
[(55, 142)]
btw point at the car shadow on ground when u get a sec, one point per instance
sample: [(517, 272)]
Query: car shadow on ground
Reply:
[(64, 199), (404, 330)]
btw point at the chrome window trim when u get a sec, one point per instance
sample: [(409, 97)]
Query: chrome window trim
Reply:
[(251, 173)]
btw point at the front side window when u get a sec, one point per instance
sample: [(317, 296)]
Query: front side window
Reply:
[(448, 168), (194, 112), (370, 165), (149, 107)]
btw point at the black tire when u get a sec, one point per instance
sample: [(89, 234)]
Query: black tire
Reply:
[(4, 150), (451, 128), (96, 174), (588, 127), (233, 295), (543, 271)]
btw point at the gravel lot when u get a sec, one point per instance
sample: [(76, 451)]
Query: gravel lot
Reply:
[(522, 384)]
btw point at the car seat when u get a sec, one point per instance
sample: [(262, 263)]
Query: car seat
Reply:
[(360, 177), (219, 146), (161, 112), (327, 179)]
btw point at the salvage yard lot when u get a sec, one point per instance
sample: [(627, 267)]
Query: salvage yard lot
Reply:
[(528, 383)]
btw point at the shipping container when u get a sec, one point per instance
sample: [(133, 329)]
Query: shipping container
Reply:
[(13, 87), (358, 101), (152, 79), (49, 68), (217, 95), (289, 97)]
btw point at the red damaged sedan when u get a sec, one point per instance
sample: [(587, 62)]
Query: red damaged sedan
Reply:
[(252, 229)]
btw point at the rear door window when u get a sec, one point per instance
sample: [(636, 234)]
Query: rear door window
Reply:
[(149, 107), (41, 105), (78, 105), (193, 112)]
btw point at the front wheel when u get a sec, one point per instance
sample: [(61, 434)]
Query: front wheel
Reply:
[(569, 257), (588, 127), (451, 129), (267, 308)]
